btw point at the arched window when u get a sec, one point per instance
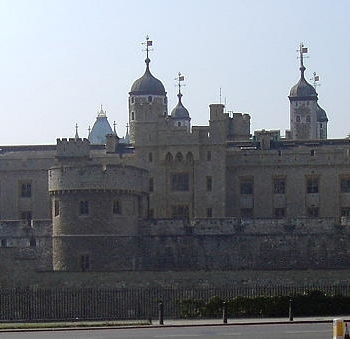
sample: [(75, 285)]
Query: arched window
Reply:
[(189, 157), (132, 115), (169, 157), (179, 157)]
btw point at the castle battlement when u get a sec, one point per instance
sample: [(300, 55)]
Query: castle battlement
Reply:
[(73, 147)]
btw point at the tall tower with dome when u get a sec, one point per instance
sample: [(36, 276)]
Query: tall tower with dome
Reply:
[(148, 105), (308, 121)]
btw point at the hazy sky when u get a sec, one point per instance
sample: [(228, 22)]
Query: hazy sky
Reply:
[(61, 59)]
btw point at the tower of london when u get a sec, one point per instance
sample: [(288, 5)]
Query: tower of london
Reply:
[(172, 196)]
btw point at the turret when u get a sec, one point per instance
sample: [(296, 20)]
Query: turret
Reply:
[(308, 121)]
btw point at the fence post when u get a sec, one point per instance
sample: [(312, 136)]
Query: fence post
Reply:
[(290, 310), (161, 313), (224, 312)]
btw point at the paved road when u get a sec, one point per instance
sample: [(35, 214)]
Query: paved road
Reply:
[(260, 331)]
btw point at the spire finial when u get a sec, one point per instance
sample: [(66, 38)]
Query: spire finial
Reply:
[(302, 50), (180, 78), (114, 127), (76, 131), (89, 131), (148, 43)]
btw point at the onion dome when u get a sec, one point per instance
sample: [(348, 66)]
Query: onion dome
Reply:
[(321, 114), (147, 84), (100, 129), (302, 90), (179, 110)]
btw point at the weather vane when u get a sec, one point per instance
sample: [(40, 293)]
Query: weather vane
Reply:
[(315, 79), (148, 43), (180, 78), (302, 50)]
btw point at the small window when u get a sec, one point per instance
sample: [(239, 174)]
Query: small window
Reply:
[(85, 263), (180, 182), (246, 212), (32, 242), (312, 185), (83, 207), (180, 212), (312, 153), (298, 118), (26, 190), (280, 213), (345, 185), (26, 215), (151, 185), (56, 208), (132, 100), (151, 213), (117, 207), (132, 115), (3, 242), (345, 211), (313, 212), (149, 99), (208, 155), (179, 123), (209, 212), (150, 156), (209, 184), (179, 157), (168, 157), (308, 118), (279, 185), (246, 187)]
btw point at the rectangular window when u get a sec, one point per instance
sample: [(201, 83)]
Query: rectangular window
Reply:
[(26, 215), (56, 208), (150, 156), (208, 155), (85, 262), (180, 182), (312, 185), (209, 212), (117, 207), (246, 213), (312, 212), (151, 185), (209, 184), (280, 213), (345, 185), (83, 207), (246, 186), (345, 211), (26, 190), (279, 185), (180, 211)]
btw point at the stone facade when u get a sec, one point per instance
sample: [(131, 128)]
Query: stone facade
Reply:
[(177, 198)]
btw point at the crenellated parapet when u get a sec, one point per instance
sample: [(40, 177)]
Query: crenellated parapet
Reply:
[(73, 148), (98, 177)]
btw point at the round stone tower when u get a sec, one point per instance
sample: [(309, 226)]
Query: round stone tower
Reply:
[(95, 210)]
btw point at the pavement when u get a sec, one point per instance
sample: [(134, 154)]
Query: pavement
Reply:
[(247, 321)]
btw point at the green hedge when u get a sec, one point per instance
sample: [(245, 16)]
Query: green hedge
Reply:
[(313, 303)]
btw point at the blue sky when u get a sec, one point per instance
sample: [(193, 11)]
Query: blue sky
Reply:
[(61, 59)]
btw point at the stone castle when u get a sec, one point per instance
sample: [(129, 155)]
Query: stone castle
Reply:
[(169, 196)]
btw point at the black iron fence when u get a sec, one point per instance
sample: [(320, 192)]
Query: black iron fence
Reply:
[(63, 304)]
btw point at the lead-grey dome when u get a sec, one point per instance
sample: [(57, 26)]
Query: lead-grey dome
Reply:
[(302, 90), (179, 111), (147, 84), (321, 114)]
